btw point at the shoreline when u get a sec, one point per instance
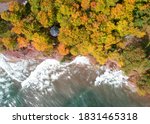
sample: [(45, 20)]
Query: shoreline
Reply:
[(31, 53)]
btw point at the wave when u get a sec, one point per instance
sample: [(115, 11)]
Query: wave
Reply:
[(10, 71), (113, 77)]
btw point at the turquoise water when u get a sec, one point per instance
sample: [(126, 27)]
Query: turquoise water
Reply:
[(103, 96)]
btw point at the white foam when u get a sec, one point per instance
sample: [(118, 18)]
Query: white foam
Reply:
[(3, 80), (45, 74), (15, 75), (112, 77), (81, 60), (40, 76), (56, 75)]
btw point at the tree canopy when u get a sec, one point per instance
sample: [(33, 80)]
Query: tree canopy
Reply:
[(87, 27)]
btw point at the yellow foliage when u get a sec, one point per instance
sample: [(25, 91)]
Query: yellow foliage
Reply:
[(130, 1), (85, 48), (117, 11), (43, 18), (65, 10), (40, 42), (109, 41), (121, 44), (123, 27), (85, 4), (98, 6), (100, 54), (109, 27), (136, 32), (13, 6), (8, 43), (98, 37), (74, 51)]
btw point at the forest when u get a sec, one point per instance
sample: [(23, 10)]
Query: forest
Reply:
[(117, 30)]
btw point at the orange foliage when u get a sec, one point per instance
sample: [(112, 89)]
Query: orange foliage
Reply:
[(84, 18), (85, 4), (16, 30), (62, 49), (101, 18), (93, 4), (22, 42)]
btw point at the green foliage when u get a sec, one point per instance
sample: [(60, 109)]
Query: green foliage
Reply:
[(4, 26), (142, 13), (136, 60)]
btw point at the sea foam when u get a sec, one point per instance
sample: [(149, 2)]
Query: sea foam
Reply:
[(113, 77), (81, 60), (40, 77)]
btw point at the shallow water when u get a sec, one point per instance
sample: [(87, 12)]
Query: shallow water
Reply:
[(50, 83)]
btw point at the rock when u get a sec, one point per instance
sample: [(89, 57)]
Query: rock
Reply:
[(54, 31)]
